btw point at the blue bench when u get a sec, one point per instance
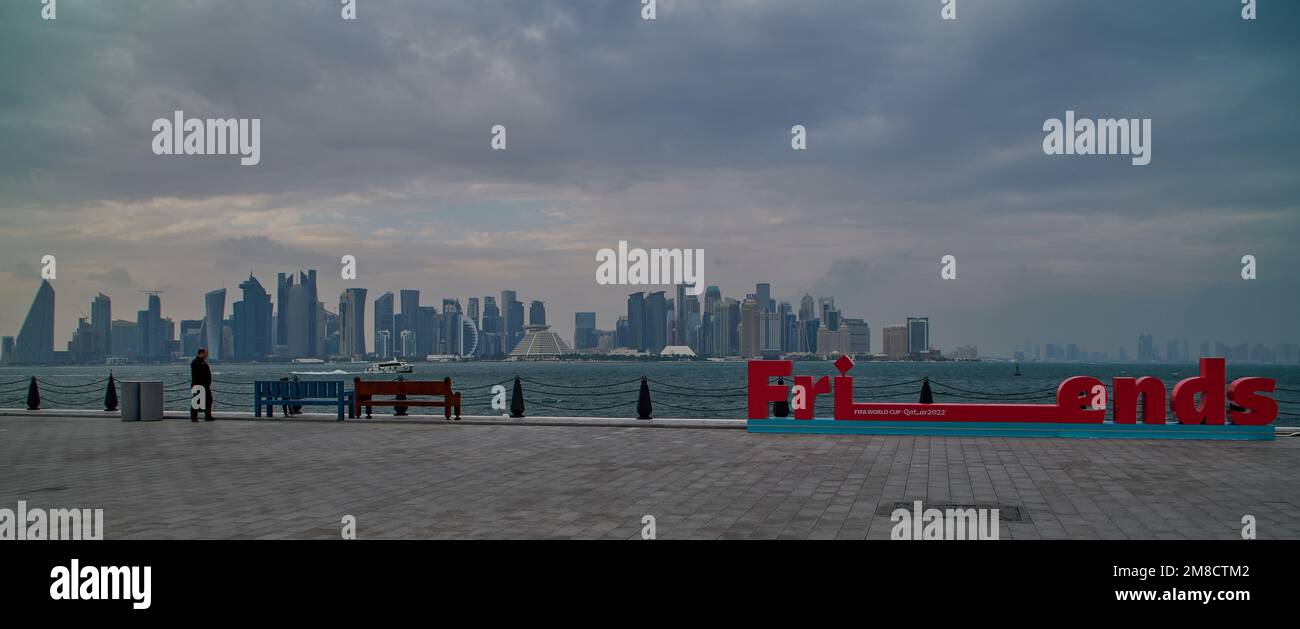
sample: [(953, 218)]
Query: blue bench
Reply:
[(273, 393)]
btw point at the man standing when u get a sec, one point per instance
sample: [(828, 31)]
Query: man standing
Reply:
[(201, 375)]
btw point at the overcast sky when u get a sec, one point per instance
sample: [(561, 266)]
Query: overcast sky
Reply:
[(924, 139)]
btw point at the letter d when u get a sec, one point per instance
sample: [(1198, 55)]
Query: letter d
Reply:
[(1210, 386)]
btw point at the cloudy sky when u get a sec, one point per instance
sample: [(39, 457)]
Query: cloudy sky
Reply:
[(924, 139)]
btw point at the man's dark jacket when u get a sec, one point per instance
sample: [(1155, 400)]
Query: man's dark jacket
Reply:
[(200, 373)]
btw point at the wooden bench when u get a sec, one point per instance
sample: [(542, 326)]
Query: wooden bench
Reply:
[(366, 390), (273, 393)]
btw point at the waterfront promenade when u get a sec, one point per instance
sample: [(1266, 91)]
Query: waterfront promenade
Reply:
[(536, 478)]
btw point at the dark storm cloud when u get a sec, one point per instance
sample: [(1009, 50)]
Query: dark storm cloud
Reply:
[(924, 139)]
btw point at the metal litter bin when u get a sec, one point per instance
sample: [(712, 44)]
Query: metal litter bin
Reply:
[(130, 401), (151, 401)]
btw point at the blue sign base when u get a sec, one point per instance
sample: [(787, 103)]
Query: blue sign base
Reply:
[(1227, 432)]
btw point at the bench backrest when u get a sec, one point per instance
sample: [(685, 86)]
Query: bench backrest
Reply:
[(305, 389), (404, 387)]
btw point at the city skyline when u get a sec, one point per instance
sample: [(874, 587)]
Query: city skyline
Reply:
[(673, 133), (757, 330)]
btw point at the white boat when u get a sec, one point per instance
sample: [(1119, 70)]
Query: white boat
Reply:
[(308, 361), (392, 366)]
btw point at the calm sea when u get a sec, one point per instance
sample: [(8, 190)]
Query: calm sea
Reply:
[(609, 389)]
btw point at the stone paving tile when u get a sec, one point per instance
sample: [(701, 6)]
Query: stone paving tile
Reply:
[(269, 480)]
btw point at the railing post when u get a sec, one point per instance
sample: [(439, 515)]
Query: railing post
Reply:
[(782, 408), (110, 395), (33, 396), (927, 396), (517, 400), (643, 406)]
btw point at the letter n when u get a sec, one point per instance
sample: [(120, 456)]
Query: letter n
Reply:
[(1151, 391)]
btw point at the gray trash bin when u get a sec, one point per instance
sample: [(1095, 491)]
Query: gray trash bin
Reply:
[(130, 401), (151, 401)]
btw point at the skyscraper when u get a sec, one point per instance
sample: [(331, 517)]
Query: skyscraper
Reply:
[(125, 335), (537, 313), (82, 345), (763, 294), (282, 284), (384, 324), (352, 323), (252, 322), (918, 335), (769, 333), (157, 334), (728, 323), (429, 334), (35, 342), (408, 343), (749, 327), (584, 330), (1147, 349), (149, 343), (301, 317), (191, 336), (101, 322), (490, 331), (214, 317), (807, 308), (859, 336), (408, 318), (685, 304), (824, 307), (786, 324), (636, 321), (471, 311), (512, 320), (895, 341)]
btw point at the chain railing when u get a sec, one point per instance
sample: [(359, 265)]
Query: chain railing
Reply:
[(37, 392)]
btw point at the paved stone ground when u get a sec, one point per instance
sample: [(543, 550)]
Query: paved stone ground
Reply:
[(289, 479)]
